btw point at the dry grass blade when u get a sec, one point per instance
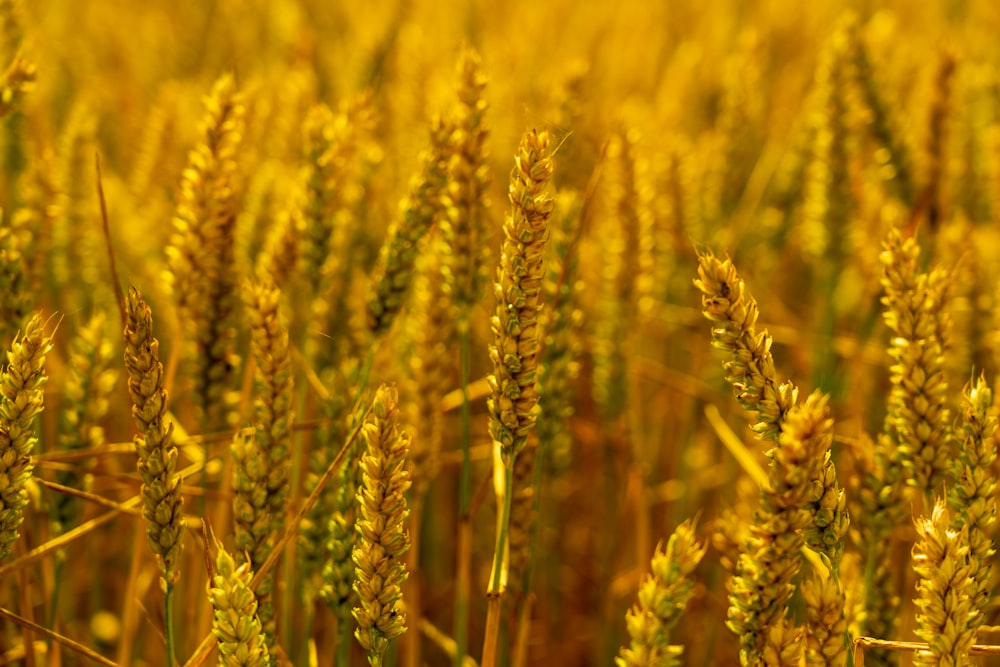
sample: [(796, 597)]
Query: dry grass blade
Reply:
[(125, 508), (76, 647), (63, 540)]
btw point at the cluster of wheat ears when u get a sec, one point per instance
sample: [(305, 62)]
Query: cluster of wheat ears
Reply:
[(292, 377)]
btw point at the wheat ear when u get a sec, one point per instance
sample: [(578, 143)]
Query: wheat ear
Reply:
[(463, 224), (21, 397), (945, 592), (972, 496), (382, 538), (394, 271), (514, 352), (662, 598), (201, 258), (762, 587), (825, 622), (161, 489), (918, 419), (236, 623), (88, 392), (732, 310)]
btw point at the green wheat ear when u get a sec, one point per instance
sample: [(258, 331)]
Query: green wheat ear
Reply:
[(161, 489), (21, 397)]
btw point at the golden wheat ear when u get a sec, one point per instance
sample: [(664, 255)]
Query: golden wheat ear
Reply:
[(201, 256), (972, 496), (382, 538), (236, 623), (732, 310), (463, 224), (772, 556), (518, 291), (663, 596), (945, 592)]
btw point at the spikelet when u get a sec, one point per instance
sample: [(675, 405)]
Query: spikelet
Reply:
[(662, 598), (518, 291), (87, 398), (236, 623), (731, 528), (274, 391), (918, 419), (463, 225), (201, 255), (830, 519), (732, 310), (972, 495), (945, 591), (161, 490), (159, 132), (763, 586), (21, 397), (382, 538), (394, 271)]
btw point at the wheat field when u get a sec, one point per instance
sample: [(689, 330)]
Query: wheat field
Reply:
[(463, 333)]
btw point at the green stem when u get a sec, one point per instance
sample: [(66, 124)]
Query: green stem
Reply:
[(465, 482), (303, 653), (342, 653), (495, 592), (54, 603), (168, 623), (464, 498), (294, 586), (536, 490), (498, 556)]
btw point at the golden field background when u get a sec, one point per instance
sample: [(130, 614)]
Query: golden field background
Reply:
[(678, 125)]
